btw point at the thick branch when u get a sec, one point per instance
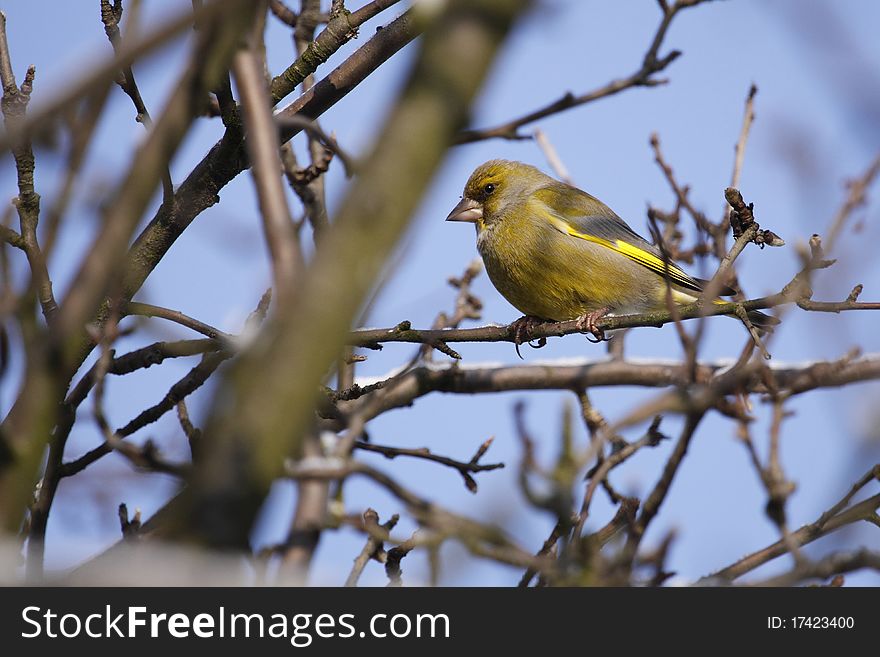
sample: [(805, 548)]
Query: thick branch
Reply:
[(469, 379), (226, 159), (266, 412), (338, 32)]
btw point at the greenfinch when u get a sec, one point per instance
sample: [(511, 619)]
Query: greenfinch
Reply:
[(557, 253)]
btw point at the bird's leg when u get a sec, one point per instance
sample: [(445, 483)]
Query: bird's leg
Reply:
[(586, 323), (522, 332)]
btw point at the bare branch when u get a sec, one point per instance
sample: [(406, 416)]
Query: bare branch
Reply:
[(739, 156), (263, 148), (111, 16), (465, 469), (374, 546), (14, 106), (858, 189), (283, 13), (588, 373), (652, 63), (552, 156), (338, 31), (833, 564), (839, 515), (149, 310)]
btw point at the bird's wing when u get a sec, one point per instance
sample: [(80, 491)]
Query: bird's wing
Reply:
[(598, 224)]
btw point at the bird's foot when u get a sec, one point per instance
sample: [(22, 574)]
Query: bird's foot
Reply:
[(587, 324), (522, 332)]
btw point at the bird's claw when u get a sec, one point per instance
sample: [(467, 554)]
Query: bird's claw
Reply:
[(587, 324), (522, 333)]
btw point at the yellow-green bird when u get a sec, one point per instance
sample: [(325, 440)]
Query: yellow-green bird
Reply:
[(557, 253)]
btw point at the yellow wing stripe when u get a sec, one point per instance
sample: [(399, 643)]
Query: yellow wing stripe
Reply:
[(644, 258)]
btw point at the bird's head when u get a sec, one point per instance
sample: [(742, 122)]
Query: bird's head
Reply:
[(492, 187)]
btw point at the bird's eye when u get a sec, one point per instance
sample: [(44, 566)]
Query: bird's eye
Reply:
[(489, 188)]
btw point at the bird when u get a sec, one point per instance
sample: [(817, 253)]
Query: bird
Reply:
[(557, 253)]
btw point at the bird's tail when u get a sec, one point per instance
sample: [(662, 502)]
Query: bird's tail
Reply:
[(762, 321)]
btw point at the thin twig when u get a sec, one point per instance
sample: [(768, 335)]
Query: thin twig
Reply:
[(839, 515), (858, 189), (465, 469), (739, 156), (149, 310), (111, 16), (314, 129), (652, 63), (373, 548), (552, 156)]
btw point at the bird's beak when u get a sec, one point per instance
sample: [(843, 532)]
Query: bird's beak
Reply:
[(467, 210)]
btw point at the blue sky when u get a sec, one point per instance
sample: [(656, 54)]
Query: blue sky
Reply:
[(817, 123)]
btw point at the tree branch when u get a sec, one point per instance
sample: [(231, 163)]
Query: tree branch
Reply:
[(465, 469), (111, 16), (268, 422), (263, 149), (652, 63), (833, 519)]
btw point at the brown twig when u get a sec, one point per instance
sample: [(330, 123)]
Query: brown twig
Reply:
[(829, 566), (658, 494), (552, 156), (308, 182), (146, 457), (263, 148), (142, 358), (106, 261), (701, 221), (314, 129), (14, 105), (129, 526), (467, 306), (225, 160), (481, 539), (374, 546), (739, 156), (856, 197), (465, 469), (598, 476), (11, 237), (652, 63), (103, 73), (149, 310), (546, 549), (310, 517), (111, 17), (283, 13), (341, 28), (184, 387), (193, 434), (392, 562), (839, 515)]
